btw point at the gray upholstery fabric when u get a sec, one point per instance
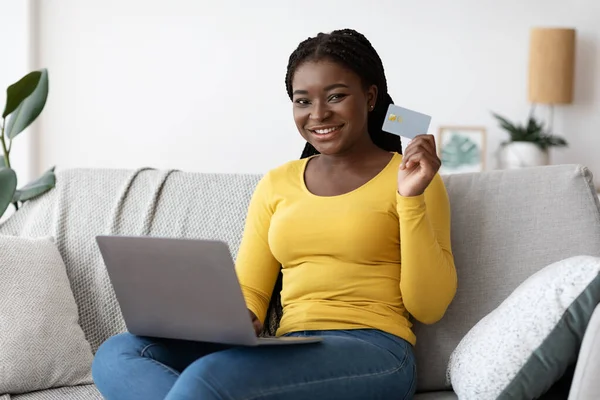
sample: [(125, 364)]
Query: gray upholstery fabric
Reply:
[(89, 202), (586, 384), (506, 225), (87, 392)]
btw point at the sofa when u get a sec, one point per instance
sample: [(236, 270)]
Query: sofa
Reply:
[(506, 225)]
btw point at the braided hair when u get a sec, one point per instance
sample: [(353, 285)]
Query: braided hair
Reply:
[(354, 51)]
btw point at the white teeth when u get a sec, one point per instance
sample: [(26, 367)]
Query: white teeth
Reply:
[(325, 131)]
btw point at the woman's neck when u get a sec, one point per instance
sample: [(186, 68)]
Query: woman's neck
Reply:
[(356, 157)]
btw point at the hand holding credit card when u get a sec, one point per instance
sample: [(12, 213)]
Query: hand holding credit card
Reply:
[(420, 162), (405, 123)]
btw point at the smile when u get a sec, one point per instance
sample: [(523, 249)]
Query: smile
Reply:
[(326, 131)]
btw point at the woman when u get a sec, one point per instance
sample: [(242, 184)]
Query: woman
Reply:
[(361, 236)]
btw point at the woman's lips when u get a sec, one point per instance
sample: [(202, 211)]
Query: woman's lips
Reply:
[(325, 133)]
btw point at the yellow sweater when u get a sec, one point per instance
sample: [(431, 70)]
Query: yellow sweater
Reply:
[(343, 261)]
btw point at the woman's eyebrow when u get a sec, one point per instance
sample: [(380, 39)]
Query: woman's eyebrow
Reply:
[(327, 89)]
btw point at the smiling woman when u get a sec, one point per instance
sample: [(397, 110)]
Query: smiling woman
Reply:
[(329, 225), (331, 117)]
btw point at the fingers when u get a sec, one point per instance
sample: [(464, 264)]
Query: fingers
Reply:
[(423, 142), (421, 151), (422, 159), (418, 149)]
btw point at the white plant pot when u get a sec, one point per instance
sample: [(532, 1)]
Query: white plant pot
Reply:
[(523, 154)]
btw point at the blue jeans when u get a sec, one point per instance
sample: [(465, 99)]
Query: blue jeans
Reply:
[(352, 364)]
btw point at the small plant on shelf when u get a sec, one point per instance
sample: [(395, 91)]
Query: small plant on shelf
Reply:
[(532, 132)]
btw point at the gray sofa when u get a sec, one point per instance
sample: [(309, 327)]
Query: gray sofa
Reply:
[(505, 226)]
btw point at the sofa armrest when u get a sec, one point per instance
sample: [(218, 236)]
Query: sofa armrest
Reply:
[(586, 384)]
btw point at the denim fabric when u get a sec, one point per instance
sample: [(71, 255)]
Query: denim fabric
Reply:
[(350, 364)]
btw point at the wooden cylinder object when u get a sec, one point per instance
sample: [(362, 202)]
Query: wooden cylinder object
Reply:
[(551, 65)]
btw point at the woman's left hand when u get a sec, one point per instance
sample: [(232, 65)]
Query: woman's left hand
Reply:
[(419, 165)]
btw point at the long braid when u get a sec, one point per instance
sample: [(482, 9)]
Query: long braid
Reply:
[(354, 51)]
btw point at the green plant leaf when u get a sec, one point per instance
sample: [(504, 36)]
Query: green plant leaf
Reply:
[(552, 140), (2, 162), (533, 127), (30, 108), (37, 187), (506, 125), (560, 142), (8, 185), (19, 91), (531, 132)]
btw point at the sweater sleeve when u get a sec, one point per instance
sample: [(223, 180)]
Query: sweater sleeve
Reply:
[(256, 267), (428, 278)]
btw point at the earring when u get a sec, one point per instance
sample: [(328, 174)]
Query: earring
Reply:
[(371, 108)]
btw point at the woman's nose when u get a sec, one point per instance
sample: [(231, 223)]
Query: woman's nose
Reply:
[(320, 111)]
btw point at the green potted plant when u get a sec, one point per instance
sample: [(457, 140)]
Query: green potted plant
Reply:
[(528, 144), (25, 100)]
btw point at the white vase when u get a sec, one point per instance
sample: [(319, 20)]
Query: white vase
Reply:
[(522, 155)]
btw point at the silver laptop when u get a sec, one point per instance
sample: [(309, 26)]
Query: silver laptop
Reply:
[(181, 289)]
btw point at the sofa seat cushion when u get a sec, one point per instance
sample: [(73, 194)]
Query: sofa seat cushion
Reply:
[(84, 392)]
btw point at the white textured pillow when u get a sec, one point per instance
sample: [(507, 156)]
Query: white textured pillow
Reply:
[(519, 350), (41, 342)]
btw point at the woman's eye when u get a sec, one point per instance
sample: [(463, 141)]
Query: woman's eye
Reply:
[(302, 102), (336, 97)]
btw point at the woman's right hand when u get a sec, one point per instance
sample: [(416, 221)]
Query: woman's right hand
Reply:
[(258, 326)]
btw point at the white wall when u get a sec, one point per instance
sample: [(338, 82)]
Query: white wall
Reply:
[(14, 64), (199, 86)]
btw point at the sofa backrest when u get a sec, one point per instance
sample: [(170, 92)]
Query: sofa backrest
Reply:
[(505, 226), (90, 202)]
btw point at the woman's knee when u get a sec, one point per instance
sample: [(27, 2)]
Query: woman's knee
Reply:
[(210, 377), (111, 353)]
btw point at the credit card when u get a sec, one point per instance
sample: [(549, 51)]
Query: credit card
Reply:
[(406, 123)]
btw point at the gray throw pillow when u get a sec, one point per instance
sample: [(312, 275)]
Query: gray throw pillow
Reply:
[(41, 343)]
